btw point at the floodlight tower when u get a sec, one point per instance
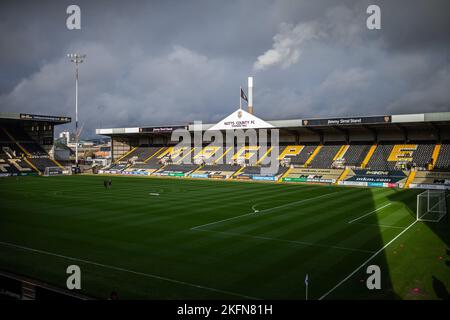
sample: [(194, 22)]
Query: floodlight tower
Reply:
[(77, 59)]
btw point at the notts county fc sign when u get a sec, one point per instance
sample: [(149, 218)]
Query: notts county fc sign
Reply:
[(241, 119)]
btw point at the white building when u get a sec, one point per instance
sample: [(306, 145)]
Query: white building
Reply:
[(65, 136)]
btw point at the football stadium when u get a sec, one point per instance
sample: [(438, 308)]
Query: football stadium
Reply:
[(129, 169), (171, 219)]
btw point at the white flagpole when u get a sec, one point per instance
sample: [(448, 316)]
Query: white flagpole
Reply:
[(306, 284), (240, 98), (306, 292)]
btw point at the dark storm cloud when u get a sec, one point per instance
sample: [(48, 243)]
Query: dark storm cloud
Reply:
[(159, 62), (416, 24)]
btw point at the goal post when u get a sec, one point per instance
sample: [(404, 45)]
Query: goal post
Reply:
[(431, 205), (57, 171)]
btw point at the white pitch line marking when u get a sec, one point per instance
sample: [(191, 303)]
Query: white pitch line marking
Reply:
[(303, 243), (378, 225), (148, 275), (369, 213), (367, 261), (265, 210)]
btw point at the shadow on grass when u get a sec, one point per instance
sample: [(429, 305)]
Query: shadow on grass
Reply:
[(440, 289), (374, 237), (440, 229)]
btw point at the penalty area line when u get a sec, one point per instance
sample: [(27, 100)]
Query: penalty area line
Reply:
[(147, 275), (379, 225), (266, 210), (367, 261), (369, 213), (301, 243)]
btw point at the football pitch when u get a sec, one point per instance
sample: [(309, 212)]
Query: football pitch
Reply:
[(156, 238)]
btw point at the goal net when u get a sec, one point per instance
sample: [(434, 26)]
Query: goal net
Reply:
[(57, 171), (431, 205)]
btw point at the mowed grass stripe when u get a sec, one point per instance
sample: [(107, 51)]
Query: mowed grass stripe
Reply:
[(258, 236), (193, 206), (290, 225), (296, 214), (124, 227), (153, 215), (139, 208), (262, 212), (101, 265), (297, 211)]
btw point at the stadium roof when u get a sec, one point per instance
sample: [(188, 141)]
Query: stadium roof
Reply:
[(416, 119), (34, 117)]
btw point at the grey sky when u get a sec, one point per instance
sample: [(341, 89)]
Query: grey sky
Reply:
[(169, 62)]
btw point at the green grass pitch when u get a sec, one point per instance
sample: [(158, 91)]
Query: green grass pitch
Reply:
[(220, 240)]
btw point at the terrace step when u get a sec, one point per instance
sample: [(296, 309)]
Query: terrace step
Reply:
[(435, 155), (313, 155), (369, 155)]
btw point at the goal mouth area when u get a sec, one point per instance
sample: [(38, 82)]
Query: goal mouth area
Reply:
[(431, 205), (431, 217)]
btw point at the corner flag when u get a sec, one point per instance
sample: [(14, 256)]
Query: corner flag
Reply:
[(306, 284)]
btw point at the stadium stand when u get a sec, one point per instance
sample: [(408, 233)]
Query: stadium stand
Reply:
[(423, 155), (24, 146), (176, 169), (289, 154), (325, 156), (246, 155), (443, 160), (375, 177), (329, 163), (34, 149), (219, 167), (118, 166), (42, 163), (175, 160), (380, 151), (140, 160), (355, 154), (189, 156), (25, 140), (257, 171), (155, 160), (180, 167), (18, 134), (210, 154), (138, 171), (139, 154), (378, 161), (10, 163), (390, 164), (401, 156), (4, 137), (304, 155), (13, 159), (428, 178), (174, 154), (216, 171), (149, 165), (313, 175)]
